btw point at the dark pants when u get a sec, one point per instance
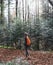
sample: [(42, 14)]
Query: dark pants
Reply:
[(26, 49)]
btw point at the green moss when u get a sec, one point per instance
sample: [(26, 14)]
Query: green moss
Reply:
[(1, 46)]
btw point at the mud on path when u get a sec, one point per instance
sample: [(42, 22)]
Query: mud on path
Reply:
[(34, 58)]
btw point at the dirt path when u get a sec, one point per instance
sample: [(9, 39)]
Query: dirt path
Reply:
[(35, 57)]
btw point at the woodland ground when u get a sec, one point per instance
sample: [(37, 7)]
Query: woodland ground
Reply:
[(34, 58)]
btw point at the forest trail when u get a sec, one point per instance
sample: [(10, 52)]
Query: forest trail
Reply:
[(34, 58)]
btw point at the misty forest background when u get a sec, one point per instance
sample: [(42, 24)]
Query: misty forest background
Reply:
[(32, 16)]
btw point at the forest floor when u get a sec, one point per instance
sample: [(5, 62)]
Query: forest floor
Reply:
[(34, 58)]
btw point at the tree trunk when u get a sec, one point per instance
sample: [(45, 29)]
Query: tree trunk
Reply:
[(9, 14), (2, 9), (16, 8), (23, 10), (51, 2)]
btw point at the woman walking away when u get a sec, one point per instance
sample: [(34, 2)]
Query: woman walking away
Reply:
[(27, 43)]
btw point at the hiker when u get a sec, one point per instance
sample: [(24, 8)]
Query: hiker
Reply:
[(27, 43)]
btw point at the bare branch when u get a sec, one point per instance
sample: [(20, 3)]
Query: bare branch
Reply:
[(51, 2)]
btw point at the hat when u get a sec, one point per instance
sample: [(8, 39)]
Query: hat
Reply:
[(26, 33)]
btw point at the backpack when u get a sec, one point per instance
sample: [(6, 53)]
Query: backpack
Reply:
[(28, 41)]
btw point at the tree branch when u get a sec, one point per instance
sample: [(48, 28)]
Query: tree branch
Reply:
[(50, 2)]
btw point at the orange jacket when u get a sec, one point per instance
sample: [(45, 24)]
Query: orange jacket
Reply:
[(28, 41)]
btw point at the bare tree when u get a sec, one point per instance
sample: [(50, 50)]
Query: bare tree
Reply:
[(9, 13), (28, 19), (2, 9), (51, 2), (23, 10), (16, 7)]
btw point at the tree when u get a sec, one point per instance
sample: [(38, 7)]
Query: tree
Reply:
[(16, 8), (23, 10), (2, 9), (46, 30), (51, 2), (9, 14), (37, 25)]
